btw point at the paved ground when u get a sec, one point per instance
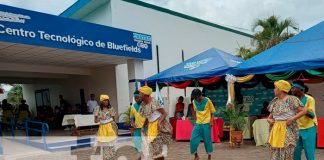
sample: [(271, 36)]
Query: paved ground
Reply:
[(177, 151)]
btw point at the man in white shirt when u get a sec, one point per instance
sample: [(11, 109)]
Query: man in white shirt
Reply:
[(92, 104)]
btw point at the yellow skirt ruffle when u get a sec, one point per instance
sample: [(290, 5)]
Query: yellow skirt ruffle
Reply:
[(107, 132), (153, 130), (277, 135)]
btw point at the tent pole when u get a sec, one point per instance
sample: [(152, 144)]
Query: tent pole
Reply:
[(185, 89)]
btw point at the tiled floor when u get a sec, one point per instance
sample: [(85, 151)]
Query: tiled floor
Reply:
[(177, 151)]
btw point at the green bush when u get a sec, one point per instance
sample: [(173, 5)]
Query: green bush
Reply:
[(234, 118)]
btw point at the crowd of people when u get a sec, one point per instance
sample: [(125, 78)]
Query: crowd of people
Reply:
[(291, 115), (22, 112)]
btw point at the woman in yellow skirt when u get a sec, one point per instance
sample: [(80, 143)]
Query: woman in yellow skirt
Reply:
[(284, 111), (159, 130), (107, 133)]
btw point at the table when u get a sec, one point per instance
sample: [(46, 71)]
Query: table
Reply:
[(185, 127), (320, 133), (173, 122), (261, 132), (78, 120)]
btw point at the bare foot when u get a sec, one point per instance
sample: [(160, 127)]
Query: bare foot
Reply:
[(196, 156)]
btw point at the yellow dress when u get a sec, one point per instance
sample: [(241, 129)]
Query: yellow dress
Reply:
[(107, 131)]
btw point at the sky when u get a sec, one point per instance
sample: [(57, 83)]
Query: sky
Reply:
[(46, 6), (238, 14)]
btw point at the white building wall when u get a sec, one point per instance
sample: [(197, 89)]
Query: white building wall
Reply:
[(100, 16), (101, 81), (29, 94), (316, 90), (172, 34)]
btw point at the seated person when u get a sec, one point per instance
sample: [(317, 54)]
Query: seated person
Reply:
[(179, 108), (23, 112), (190, 112), (264, 111), (8, 111), (58, 117), (75, 109)]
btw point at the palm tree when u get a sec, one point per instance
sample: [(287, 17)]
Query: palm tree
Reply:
[(273, 31), (245, 53), (15, 94)]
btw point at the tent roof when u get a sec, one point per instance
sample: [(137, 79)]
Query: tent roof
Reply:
[(210, 63), (303, 51)]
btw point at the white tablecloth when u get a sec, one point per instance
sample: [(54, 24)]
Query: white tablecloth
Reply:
[(79, 120), (261, 131), (246, 132)]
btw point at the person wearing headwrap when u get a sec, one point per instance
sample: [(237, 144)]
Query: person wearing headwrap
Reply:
[(203, 109), (108, 130), (159, 130), (307, 123), (137, 121), (284, 111)]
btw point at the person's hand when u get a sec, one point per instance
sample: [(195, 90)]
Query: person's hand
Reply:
[(211, 123), (159, 125), (132, 124), (289, 121), (143, 131), (270, 121)]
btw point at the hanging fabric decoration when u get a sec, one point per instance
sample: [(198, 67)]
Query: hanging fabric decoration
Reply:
[(209, 81), (230, 79), (182, 85), (230, 85), (250, 84), (244, 79), (315, 73), (314, 80), (283, 76)]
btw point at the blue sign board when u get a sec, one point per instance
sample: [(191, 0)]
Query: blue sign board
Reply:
[(34, 28), (254, 98)]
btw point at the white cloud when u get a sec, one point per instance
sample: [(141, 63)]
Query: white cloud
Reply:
[(242, 13), (46, 6), (237, 13)]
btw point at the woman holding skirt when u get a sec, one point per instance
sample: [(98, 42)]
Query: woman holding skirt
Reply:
[(159, 130), (284, 111), (107, 133)]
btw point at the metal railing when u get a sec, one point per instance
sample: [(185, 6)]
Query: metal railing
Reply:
[(44, 130), (27, 125)]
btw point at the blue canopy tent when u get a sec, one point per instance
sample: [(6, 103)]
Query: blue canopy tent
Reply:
[(301, 52), (210, 63)]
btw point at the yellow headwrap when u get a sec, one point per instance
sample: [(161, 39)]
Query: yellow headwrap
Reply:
[(146, 90), (104, 97), (283, 85)]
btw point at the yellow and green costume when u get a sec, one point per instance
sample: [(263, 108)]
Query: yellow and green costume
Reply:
[(107, 135), (307, 130), (107, 131), (139, 123), (202, 129), (283, 138)]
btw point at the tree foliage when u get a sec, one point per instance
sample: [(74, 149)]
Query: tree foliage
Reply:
[(15, 95), (273, 31)]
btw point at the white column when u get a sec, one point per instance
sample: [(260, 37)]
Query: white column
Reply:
[(135, 72)]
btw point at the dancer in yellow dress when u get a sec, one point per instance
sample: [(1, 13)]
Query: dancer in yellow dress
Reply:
[(137, 122), (107, 133), (284, 111), (159, 130)]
